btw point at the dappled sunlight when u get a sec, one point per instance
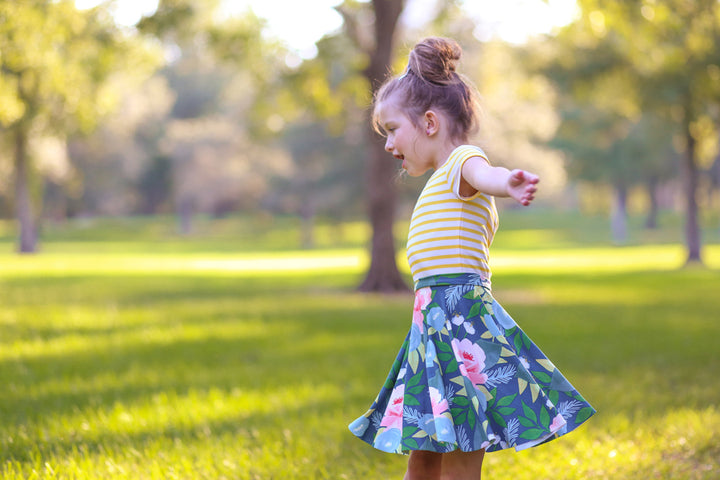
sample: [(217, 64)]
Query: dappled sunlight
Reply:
[(265, 263), (679, 443), (529, 239), (596, 259), (127, 364), (252, 425), (503, 260)]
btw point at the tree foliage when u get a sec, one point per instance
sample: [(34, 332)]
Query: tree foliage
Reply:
[(638, 79), (55, 67)]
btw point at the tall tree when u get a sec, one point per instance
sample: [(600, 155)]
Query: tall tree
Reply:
[(675, 46), (222, 72), (54, 63), (383, 275), (662, 58)]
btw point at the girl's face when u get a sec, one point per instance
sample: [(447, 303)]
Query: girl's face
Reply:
[(404, 139)]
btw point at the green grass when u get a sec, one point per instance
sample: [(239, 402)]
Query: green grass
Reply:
[(145, 355)]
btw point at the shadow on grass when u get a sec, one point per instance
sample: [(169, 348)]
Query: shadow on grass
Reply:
[(628, 341)]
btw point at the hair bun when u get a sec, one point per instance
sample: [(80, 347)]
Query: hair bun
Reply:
[(435, 59)]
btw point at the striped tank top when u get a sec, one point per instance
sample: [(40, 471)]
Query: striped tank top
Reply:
[(450, 233)]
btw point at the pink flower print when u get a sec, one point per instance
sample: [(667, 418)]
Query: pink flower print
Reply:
[(394, 411), (439, 404), (557, 423), (471, 358), (422, 299)]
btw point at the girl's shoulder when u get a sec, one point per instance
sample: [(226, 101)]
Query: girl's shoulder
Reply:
[(461, 154), (472, 150)]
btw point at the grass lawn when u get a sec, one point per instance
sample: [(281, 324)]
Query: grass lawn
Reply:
[(141, 355)]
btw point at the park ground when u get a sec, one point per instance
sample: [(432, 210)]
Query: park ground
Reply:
[(128, 352)]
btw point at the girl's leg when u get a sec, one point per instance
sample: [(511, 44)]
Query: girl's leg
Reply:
[(459, 465), (423, 465)]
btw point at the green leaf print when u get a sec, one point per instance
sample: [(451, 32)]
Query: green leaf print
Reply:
[(544, 417), (443, 347), (498, 419), (415, 390), (461, 401), (411, 444), (410, 431), (518, 343), (506, 400), (410, 400), (456, 411), (526, 422), (529, 413), (474, 310), (542, 376), (554, 396), (493, 397), (526, 340), (415, 380), (532, 434), (445, 357), (471, 418), (583, 414), (506, 410)]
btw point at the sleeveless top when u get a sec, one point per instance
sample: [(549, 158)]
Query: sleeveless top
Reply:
[(450, 233)]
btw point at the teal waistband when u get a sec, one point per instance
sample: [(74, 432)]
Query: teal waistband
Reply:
[(453, 279)]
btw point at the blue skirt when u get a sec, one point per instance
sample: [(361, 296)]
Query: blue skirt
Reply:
[(467, 377)]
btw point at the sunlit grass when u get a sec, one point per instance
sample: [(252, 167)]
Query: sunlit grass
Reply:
[(203, 362), (63, 261)]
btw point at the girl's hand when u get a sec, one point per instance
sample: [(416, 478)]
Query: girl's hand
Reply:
[(521, 186)]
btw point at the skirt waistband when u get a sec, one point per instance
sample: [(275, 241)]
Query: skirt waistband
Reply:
[(453, 279)]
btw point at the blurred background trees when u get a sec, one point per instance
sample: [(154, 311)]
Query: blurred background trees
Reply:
[(641, 86), (198, 110), (57, 69)]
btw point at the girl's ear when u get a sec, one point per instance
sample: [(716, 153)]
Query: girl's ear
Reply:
[(431, 123)]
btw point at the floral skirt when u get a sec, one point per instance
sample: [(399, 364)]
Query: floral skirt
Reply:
[(467, 377)]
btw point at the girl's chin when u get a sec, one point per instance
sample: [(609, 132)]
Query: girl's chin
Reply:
[(413, 172)]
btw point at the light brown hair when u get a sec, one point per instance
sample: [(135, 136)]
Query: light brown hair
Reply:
[(432, 82)]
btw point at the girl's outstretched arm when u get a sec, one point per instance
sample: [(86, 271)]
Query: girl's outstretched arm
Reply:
[(479, 175)]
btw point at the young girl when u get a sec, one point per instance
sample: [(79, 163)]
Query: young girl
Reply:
[(467, 379)]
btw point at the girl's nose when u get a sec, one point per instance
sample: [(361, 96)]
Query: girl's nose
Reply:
[(388, 146)]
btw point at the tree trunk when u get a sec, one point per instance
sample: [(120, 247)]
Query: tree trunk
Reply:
[(27, 242), (692, 226), (185, 210), (714, 173), (651, 222), (383, 275), (307, 223), (618, 218)]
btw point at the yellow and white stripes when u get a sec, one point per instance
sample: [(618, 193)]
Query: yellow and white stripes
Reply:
[(449, 233)]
